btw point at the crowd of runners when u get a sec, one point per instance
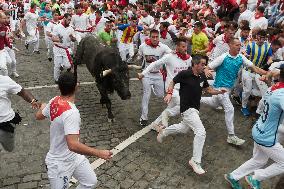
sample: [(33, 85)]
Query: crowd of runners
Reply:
[(231, 49)]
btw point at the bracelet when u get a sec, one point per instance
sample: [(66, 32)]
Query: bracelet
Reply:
[(34, 100)]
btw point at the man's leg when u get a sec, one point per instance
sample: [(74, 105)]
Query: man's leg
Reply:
[(85, 175), (7, 140), (36, 41), (247, 88), (57, 66), (59, 173), (146, 82), (13, 63)]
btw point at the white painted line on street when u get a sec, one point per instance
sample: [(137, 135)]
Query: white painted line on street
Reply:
[(97, 163), (54, 86)]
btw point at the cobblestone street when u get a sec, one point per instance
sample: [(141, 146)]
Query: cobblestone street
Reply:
[(144, 163)]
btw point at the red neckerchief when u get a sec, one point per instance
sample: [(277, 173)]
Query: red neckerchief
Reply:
[(278, 85), (97, 20), (149, 42), (225, 39), (32, 10), (183, 56), (57, 107), (63, 24), (164, 34), (257, 16), (79, 14)]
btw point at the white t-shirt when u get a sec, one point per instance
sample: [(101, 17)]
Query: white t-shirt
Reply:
[(65, 120), (7, 86), (60, 31), (246, 15), (151, 54), (108, 14), (261, 23), (80, 22), (31, 21), (148, 20), (173, 64), (220, 47)]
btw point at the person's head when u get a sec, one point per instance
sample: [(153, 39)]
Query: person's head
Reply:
[(235, 46), (164, 26), (144, 13), (79, 8), (261, 37), (133, 21), (275, 45), (55, 16), (2, 18), (154, 37), (98, 14), (245, 32), (108, 26), (157, 19), (67, 19), (197, 27), (244, 23), (33, 6), (243, 7), (47, 7), (93, 8), (198, 64), (259, 10), (230, 29), (67, 84), (181, 45)]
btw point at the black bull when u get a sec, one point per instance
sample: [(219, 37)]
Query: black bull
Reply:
[(99, 58)]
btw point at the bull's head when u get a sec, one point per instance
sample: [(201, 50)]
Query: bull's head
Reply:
[(120, 76)]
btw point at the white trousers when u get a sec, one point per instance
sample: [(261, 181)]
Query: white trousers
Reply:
[(224, 101), (190, 119), (261, 154), (153, 81), (33, 38), (125, 49), (172, 109), (252, 85), (12, 55), (60, 173), (4, 61), (60, 60)]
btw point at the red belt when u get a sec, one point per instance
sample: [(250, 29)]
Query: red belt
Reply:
[(67, 52)]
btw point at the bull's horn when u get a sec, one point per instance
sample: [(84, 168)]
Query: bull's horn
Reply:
[(106, 72), (135, 67)]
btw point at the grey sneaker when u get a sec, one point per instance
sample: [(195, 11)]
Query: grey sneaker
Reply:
[(196, 167), (235, 140), (7, 140)]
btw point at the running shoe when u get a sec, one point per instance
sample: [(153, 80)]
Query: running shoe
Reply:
[(246, 111), (235, 140), (196, 167), (234, 183), (143, 122), (253, 183)]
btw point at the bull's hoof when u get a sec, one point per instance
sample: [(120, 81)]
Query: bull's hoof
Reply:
[(111, 120)]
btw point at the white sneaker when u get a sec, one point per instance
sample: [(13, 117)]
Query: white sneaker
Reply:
[(196, 167), (7, 140), (160, 137), (235, 140), (219, 108), (15, 74)]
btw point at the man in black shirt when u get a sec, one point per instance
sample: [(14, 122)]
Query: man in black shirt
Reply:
[(192, 82)]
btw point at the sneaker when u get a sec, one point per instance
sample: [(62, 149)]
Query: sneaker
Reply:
[(15, 74), (253, 183), (27, 45), (196, 167), (235, 140), (36, 52), (161, 136), (234, 183), (49, 59), (143, 122), (245, 111), (7, 140), (237, 99), (219, 108)]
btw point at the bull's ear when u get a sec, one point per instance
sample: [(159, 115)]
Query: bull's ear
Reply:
[(105, 72)]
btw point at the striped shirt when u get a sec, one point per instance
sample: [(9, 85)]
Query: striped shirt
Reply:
[(13, 13), (259, 54)]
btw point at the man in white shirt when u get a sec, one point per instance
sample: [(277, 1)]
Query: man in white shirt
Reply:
[(8, 118), (258, 20), (151, 51), (245, 14), (31, 20), (63, 37), (146, 18), (65, 157), (174, 62)]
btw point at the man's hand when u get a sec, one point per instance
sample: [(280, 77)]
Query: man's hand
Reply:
[(208, 72), (36, 105), (105, 154), (140, 76), (168, 98)]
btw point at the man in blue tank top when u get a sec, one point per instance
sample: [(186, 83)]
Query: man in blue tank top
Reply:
[(266, 144), (227, 67)]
